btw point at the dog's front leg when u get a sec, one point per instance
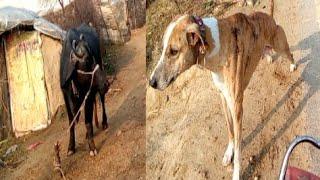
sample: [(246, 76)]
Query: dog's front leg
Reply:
[(237, 127), (228, 155)]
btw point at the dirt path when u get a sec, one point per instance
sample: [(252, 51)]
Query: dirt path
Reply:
[(121, 149), (186, 131), (309, 44)]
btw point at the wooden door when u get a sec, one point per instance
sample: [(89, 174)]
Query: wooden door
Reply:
[(28, 96)]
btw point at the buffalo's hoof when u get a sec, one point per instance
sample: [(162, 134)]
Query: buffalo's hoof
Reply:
[(93, 152), (105, 126), (70, 152)]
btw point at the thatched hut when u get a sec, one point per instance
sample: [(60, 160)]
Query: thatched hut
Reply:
[(29, 71)]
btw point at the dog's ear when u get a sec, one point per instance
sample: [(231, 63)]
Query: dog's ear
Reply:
[(193, 34)]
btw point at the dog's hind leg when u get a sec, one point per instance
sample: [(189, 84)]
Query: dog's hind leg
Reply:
[(237, 127), (228, 155), (281, 46)]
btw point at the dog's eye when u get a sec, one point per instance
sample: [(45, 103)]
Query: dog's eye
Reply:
[(173, 52)]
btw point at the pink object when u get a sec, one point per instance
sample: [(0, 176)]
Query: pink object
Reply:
[(34, 145), (294, 173)]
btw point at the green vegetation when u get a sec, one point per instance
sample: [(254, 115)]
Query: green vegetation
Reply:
[(108, 65)]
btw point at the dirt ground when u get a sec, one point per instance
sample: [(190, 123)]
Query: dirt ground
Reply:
[(121, 148), (186, 129)]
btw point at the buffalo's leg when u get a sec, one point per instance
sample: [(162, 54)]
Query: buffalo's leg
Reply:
[(96, 120), (104, 114), (70, 105), (89, 126)]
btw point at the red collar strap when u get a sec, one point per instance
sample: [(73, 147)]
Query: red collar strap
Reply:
[(199, 21)]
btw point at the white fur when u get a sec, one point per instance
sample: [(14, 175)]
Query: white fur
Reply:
[(228, 154), (236, 175), (236, 167), (212, 23), (220, 84), (269, 58)]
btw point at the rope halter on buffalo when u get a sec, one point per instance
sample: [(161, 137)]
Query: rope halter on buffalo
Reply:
[(85, 98)]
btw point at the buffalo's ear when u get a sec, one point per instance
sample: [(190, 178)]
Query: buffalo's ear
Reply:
[(67, 65), (67, 71)]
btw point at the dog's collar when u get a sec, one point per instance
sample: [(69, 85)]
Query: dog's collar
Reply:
[(198, 20), (212, 24)]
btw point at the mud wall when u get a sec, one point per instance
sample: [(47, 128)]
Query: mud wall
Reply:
[(51, 50), (5, 121)]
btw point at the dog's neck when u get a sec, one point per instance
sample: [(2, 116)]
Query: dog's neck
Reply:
[(212, 38)]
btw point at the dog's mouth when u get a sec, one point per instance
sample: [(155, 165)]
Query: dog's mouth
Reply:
[(163, 86), (172, 79)]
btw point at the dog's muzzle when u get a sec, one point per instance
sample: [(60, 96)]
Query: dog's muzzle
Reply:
[(153, 82)]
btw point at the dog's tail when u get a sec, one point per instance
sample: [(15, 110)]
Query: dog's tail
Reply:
[(271, 7)]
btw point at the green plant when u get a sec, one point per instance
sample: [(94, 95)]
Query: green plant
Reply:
[(108, 66)]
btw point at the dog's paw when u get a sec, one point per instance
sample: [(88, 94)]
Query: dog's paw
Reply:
[(269, 59), (293, 67), (228, 155), (236, 175), (236, 171)]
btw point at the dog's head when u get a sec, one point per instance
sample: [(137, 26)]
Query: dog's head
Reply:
[(181, 42)]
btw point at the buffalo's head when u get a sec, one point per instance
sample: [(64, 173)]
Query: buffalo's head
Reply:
[(84, 59), (81, 55)]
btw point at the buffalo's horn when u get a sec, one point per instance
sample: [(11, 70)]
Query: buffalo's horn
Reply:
[(81, 37), (74, 48), (74, 45)]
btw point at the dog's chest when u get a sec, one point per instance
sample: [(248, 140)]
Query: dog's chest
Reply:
[(218, 81)]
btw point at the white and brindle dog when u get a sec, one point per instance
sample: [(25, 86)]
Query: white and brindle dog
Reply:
[(231, 49)]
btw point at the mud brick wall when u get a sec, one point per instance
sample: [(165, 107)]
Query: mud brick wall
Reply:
[(5, 121)]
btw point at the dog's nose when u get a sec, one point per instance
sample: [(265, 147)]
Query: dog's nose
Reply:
[(153, 82)]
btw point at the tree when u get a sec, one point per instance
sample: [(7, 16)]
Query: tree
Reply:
[(51, 3)]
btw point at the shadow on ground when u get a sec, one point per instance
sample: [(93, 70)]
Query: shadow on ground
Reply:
[(311, 77)]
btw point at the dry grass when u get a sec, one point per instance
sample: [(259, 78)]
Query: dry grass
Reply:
[(14, 158)]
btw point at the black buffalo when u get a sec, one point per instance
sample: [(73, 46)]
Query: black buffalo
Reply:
[(81, 52)]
